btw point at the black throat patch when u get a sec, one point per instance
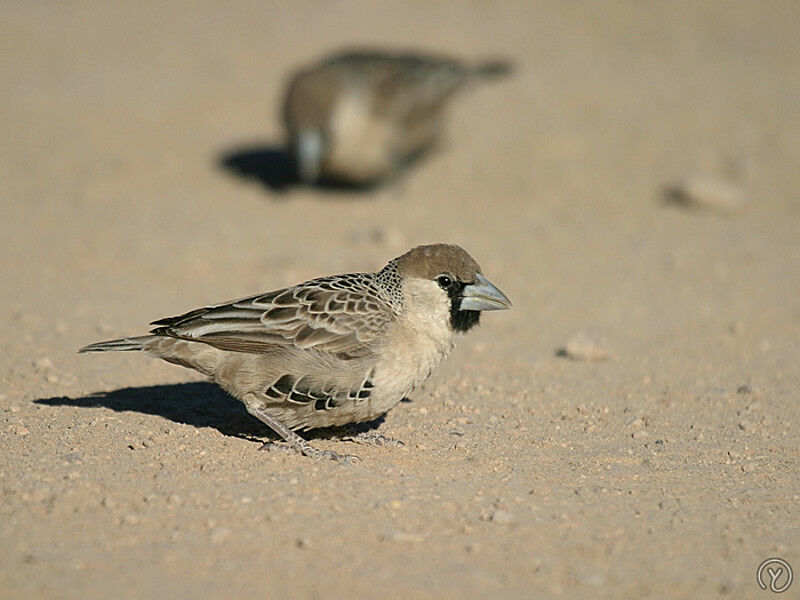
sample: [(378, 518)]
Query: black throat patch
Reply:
[(461, 320)]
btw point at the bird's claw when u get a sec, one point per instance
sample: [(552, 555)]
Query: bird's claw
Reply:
[(275, 447), (311, 452), (347, 459), (374, 438)]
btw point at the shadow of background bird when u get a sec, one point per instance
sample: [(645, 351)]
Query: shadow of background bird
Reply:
[(271, 166)]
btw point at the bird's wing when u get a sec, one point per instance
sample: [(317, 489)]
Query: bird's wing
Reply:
[(414, 87), (343, 315), (403, 86)]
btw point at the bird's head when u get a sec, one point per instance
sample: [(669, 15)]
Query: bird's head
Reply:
[(310, 100), (309, 149), (444, 277)]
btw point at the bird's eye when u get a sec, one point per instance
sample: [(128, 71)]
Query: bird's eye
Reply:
[(444, 281)]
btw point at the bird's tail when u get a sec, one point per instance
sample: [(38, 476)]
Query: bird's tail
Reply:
[(120, 345), (492, 69)]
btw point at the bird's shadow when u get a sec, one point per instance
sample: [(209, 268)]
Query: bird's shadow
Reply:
[(199, 404), (271, 166), (275, 168)]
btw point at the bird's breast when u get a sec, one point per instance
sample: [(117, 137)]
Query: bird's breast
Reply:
[(360, 144), (410, 357)]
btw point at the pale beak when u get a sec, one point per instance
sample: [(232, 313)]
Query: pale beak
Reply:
[(309, 147), (483, 295)]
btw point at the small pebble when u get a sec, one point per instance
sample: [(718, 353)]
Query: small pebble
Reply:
[(639, 435), (301, 543), (403, 537), (219, 534), (43, 365), (595, 580), (747, 426), (39, 494), (707, 194), (21, 430), (73, 458), (501, 517), (131, 519), (583, 346)]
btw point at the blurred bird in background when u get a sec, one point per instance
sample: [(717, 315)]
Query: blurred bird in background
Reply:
[(359, 117)]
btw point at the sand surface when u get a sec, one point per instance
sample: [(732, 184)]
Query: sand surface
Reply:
[(135, 183)]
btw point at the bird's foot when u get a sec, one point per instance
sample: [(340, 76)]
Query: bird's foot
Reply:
[(294, 441), (307, 449), (276, 447), (374, 438), (318, 454)]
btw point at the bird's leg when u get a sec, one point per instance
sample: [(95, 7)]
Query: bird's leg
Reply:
[(358, 434), (294, 440)]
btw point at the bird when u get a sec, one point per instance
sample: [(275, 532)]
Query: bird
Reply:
[(333, 351), (358, 117)]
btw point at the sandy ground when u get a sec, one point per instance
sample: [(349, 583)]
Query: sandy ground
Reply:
[(668, 470)]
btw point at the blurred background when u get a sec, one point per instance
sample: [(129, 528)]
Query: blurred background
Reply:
[(632, 187)]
